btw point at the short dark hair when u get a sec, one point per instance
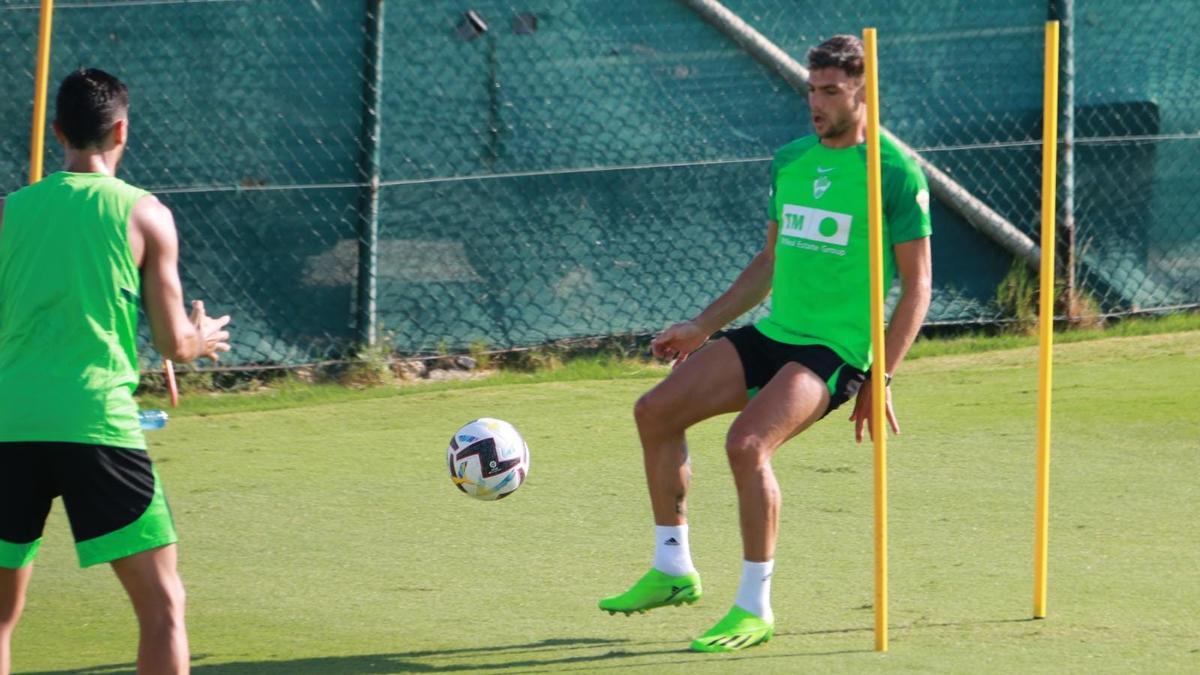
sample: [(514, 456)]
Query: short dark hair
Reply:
[(844, 52), (88, 104)]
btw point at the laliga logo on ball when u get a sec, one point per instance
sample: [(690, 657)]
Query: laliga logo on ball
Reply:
[(488, 459)]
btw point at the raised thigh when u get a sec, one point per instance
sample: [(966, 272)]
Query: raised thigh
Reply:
[(708, 383), (790, 402)]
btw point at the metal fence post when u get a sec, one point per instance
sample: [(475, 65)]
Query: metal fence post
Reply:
[(1065, 13), (368, 234)]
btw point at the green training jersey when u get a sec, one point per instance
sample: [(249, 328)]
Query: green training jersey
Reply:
[(820, 293), (69, 292)]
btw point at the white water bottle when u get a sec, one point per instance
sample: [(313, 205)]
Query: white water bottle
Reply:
[(152, 419)]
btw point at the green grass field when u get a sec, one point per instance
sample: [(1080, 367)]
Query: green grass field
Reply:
[(328, 538)]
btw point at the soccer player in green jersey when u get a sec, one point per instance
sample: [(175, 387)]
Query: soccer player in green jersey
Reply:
[(809, 356), (78, 251)]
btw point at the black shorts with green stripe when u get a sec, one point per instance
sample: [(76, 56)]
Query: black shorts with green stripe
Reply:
[(762, 357), (113, 498)]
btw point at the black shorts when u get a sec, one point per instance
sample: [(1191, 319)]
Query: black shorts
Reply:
[(762, 357), (113, 498)]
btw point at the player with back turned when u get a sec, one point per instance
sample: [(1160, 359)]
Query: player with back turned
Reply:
[(79, 250), (809, 356)]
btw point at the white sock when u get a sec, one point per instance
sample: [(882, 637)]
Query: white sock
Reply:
[(671, 552), (754, 593)]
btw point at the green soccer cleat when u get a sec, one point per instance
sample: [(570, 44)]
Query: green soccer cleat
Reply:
[(738, 630), (655, 589)]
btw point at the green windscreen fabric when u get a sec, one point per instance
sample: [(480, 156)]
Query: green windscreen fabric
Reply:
[(597, 167)]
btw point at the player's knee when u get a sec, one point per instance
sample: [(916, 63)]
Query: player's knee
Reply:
[(649, 412), (175, 599), (8, 619), (10, 612), (747, 453), (163, 608)]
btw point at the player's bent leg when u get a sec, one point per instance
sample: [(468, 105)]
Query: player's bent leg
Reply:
[(156, 591), (791, 402), (655, 589), (708, 383), (13, 583)]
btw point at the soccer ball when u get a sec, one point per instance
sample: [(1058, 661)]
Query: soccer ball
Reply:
[(488, 459)]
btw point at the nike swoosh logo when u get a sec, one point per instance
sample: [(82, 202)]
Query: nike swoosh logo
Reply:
[(821, 169)]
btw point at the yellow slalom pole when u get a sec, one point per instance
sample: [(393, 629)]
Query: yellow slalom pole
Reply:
[(878, 381), (1046, 319), (40, 81)]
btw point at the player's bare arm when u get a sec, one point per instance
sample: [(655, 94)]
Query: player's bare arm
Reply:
[(914, 264), (154, 243), (749, 289)]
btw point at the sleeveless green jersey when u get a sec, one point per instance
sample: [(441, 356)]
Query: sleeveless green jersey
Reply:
[(820, 292), (69, 292)]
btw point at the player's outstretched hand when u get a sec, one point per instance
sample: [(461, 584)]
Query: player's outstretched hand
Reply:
[(678, 341), (863, 408), (213, 336)]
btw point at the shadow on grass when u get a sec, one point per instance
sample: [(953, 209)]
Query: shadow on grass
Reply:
[(508, 657), (518, 656)]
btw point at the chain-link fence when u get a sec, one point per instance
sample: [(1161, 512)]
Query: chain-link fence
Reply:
[(1138, 154), (558, 169)]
